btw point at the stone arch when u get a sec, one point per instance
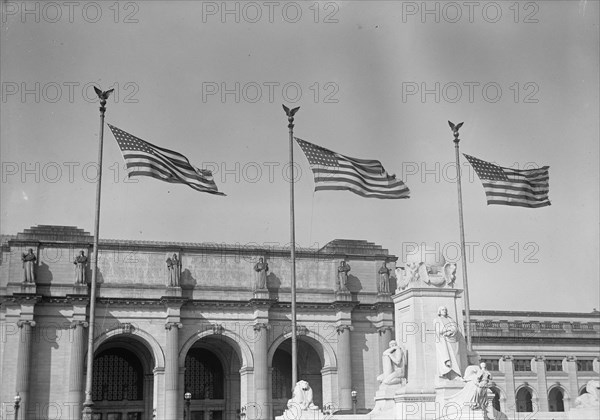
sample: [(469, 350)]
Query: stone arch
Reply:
[(238, 344), (501, 393), (237, 364), (139, 335), (147, 351), (556, 402), (316, 341), (525, 403)]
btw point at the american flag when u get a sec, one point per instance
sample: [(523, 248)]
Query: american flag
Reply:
[(512, 187), (145, 159), (367, 178)]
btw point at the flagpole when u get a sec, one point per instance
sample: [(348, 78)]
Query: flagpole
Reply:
[(462, 234), (290, 115), (88, 403)]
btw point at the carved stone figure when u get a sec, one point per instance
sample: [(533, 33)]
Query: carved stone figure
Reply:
[(261, 269), (302, 397), (427, 265), (447, 337), (394, 365), (80, 266), (591, 398), (474, 394), (173, 271), (28, 260), (383, 285), (342, 282)]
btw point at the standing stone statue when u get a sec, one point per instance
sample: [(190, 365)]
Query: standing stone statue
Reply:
[(394, 365), (383, 285), (28, 266), (261, 269), (80, 266), (342, 279), (173, 271), (447, 337)]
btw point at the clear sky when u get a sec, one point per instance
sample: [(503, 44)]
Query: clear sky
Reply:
[(376, 79)]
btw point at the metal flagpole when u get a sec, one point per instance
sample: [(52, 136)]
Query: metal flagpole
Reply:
[(88, 403), (455, 129), (290, 115)]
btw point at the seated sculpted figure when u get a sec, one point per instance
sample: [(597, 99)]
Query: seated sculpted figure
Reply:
[(394, 365), (302, 397), (591, 398), (474, 394)]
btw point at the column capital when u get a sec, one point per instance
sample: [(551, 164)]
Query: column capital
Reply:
[(383, 330), (507, 358), (260, 325), (570, 358), (170, 325), (75, 324), (538, 358), (21, 323), (342, 328)]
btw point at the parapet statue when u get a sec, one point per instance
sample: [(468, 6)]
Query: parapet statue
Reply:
[(342, 278), (383, 285), (261, 268), (447, 337), (80, 266), (474, 394), (173, 271), (394, 365), (28, 260)]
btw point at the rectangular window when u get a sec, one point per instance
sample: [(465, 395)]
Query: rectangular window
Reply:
[(554, 365), (585, 365), (522, 365), (491, 364)]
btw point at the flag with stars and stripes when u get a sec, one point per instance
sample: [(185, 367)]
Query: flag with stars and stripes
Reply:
[(365, 177), (512, 187), (145, 159)]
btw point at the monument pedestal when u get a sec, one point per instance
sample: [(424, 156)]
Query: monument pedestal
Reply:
[(295, 413), (343, 296), (384, 401)]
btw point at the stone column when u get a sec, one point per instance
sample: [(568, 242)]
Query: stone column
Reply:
[(172, 396), (76, 361), (507, 367), (344, 366), (538, 366), (24, 365), (261, 372), (569, 365)]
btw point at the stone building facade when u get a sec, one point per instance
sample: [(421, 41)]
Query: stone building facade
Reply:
[(210, 329)]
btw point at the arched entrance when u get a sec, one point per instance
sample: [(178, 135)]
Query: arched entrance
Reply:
[(524, 400), (212, 376), (496, 400), (309, 369), (122, 385), (556, 400)]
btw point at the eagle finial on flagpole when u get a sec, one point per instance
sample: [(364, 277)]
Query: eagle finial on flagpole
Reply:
[(455, 129), (103, 97), (290, 114)]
